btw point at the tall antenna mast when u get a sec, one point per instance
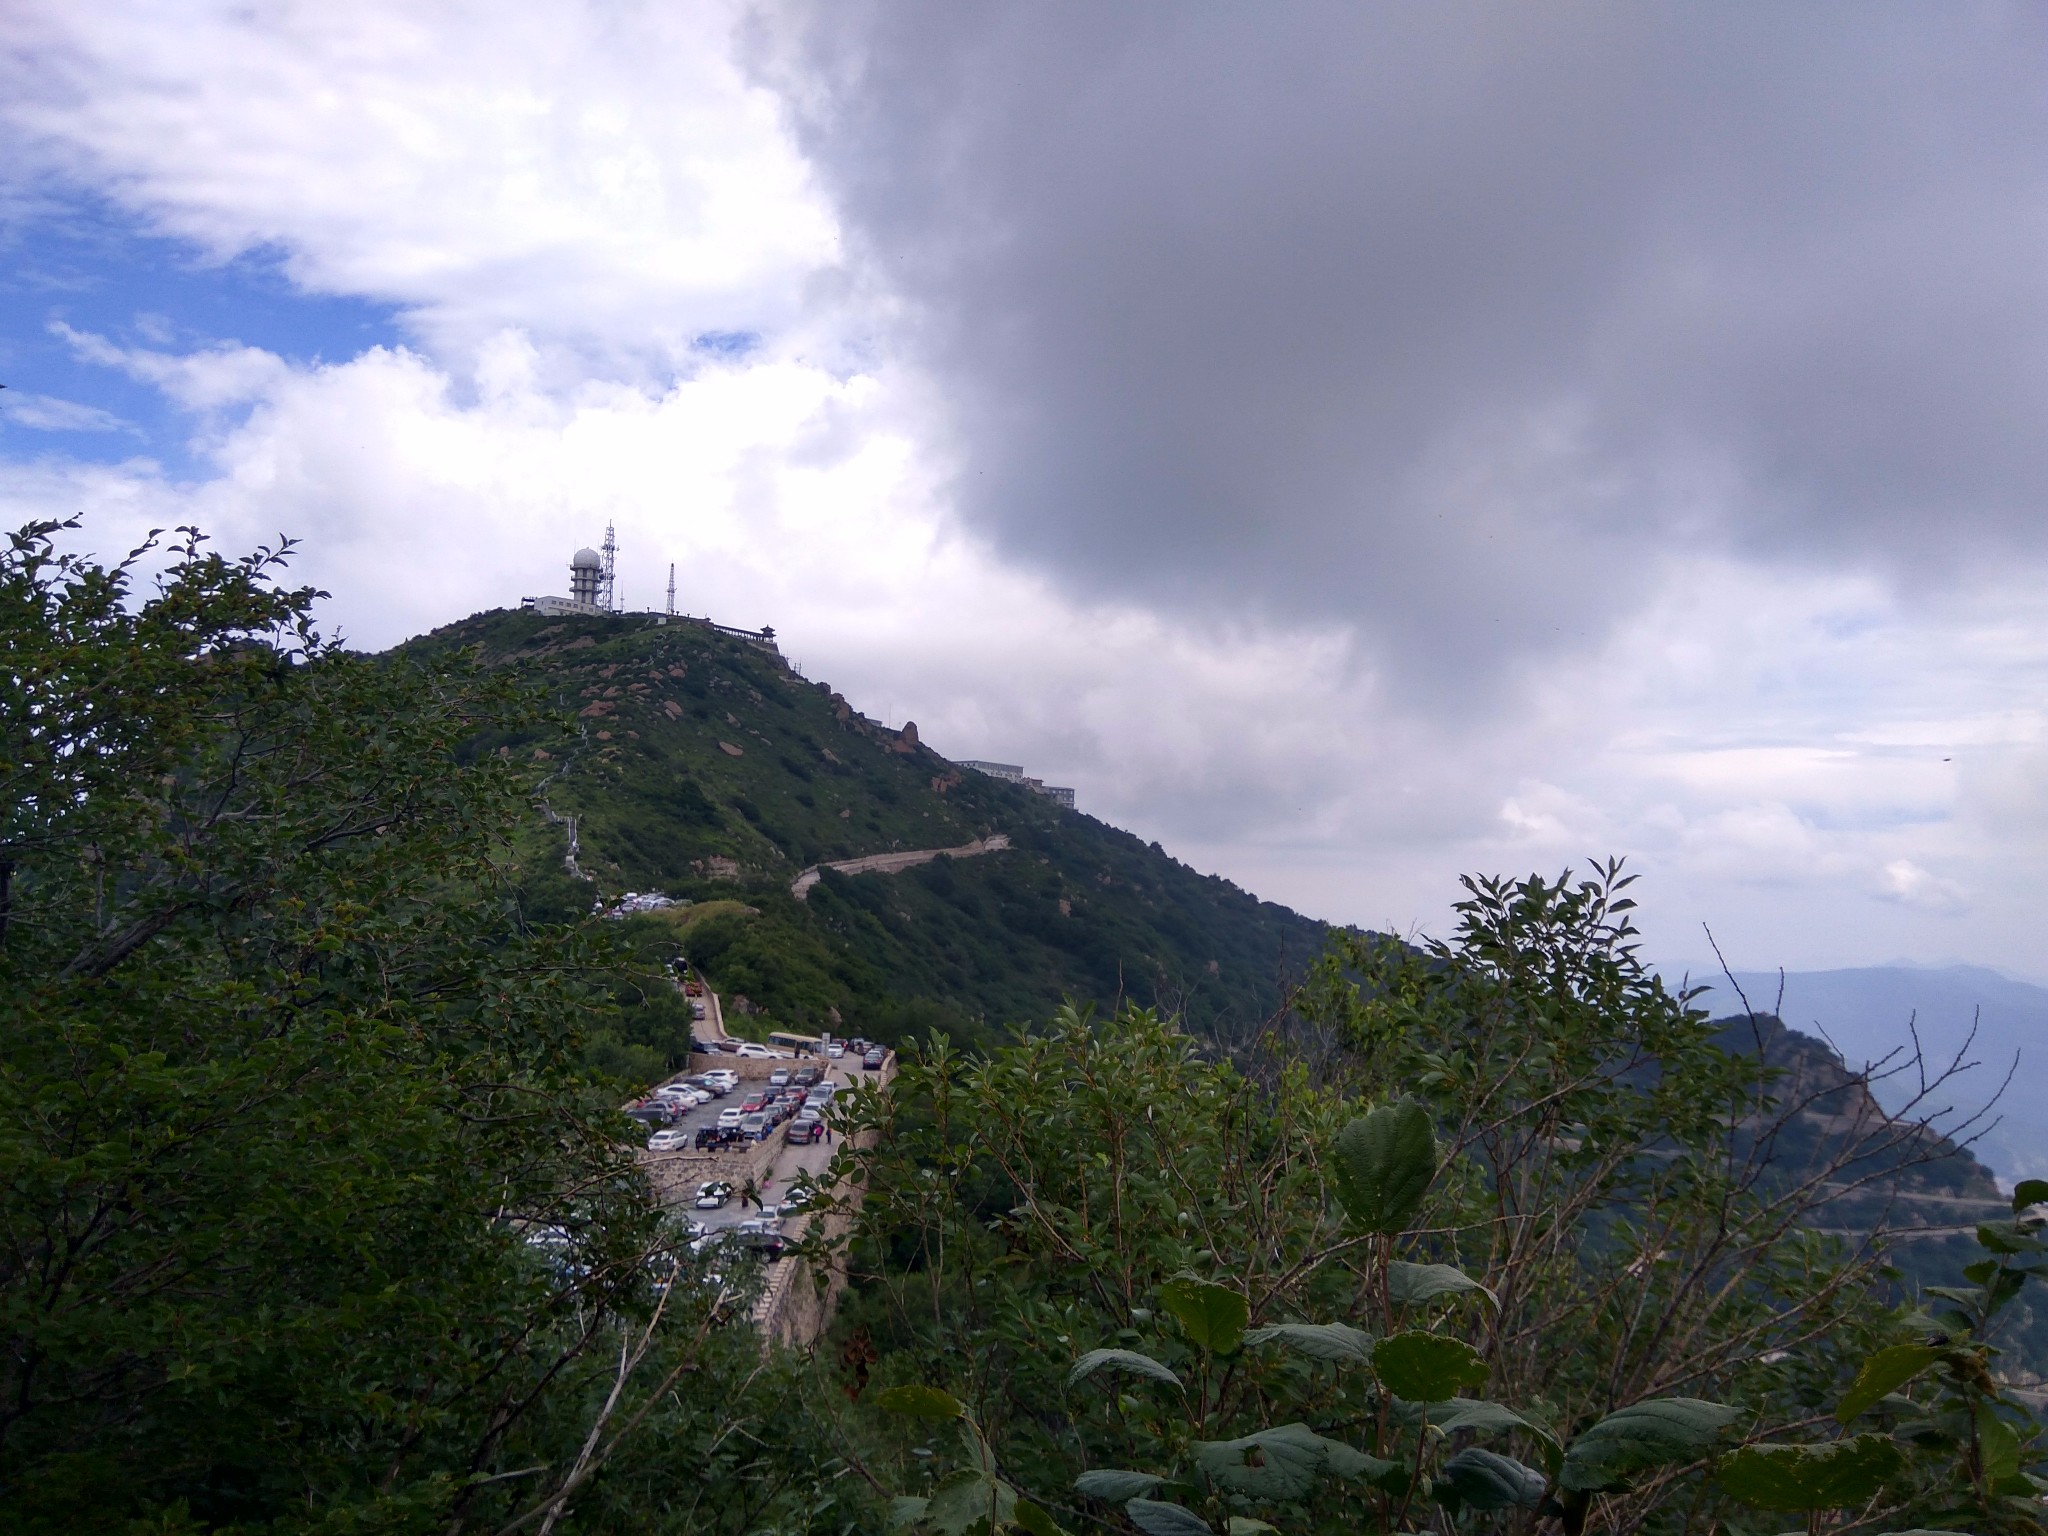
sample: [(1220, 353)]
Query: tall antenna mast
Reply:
[(606, 596), (671, 589)]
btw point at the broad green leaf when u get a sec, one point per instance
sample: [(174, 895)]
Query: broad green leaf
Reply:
[(1382, 1164), (1030, 1518), (1425, 1367), (2008, 1237), (2029, 1192), (1120, 1360), (906, 1511), (1998, 1444), (966, 1497), (1345, 1461), (1837, 1475), (920, 1402), (1652, 1433), (1245, 1525), (1486, 1480), (1321, 1341), (1412, 1284), (1213, 1315), (1114, 1486), (1469, 1413), (1156, 1519), (1884, 1372), (1276, 1464)]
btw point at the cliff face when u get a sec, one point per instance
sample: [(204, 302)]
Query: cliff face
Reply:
[(1913, 1188), (1837, 1131)]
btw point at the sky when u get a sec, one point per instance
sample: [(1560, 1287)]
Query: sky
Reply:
[(1353, 446)]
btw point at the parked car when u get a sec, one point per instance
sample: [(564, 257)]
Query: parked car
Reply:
[(729, 1118), (801, 1133), (874, 1059), (668, 1141), (755, 1127), (723, 1076), (803, 1077), (652, 1114), (754, 1050), (770, 1245), (836, 1049), (713, 1196), (779, 1078), (801, 1194), (716, 1136)]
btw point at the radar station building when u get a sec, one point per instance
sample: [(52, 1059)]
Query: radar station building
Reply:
[(1013, 773)]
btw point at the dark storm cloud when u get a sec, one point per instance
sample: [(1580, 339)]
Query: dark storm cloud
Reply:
[(1443, 320)]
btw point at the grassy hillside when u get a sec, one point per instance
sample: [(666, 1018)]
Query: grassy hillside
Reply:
[(706, 769)]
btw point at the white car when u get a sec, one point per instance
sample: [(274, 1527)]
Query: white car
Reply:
[(728, 1118), (835, 1050), (753, 1050), (725, 1075), (668, 1141)]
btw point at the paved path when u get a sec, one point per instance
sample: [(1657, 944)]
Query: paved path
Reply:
[(895, 863)]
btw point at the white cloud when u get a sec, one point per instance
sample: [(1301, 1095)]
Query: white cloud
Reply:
[(595, 175), (47, 413), (1823, 769)]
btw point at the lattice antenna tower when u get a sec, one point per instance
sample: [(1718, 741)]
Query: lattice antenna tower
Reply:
[(671, 589), (607, 592)]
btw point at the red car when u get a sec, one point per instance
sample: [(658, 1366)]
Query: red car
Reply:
[(753, 1105)]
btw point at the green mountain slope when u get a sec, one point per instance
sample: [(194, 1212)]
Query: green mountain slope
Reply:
[(708, 770)]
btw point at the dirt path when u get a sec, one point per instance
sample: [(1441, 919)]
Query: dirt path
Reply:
[(895, 863)]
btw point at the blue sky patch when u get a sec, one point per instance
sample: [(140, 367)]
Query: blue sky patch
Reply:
[(97, 270)]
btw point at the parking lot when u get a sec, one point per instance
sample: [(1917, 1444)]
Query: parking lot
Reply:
[(781, 1163)]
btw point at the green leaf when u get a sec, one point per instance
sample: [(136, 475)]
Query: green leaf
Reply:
[(1382, 1165), (906, 1511), (2029, 1192), (1486, 1480), (1425, 1367), (1114, 1486), (1030, 1518), (1213, 1315), (1320, 1341), (1245, 1525), (1838, 1475), (1276, 1464), (1156, 1519), (1998, 1444), (1120, 1360), (2008, 1237), (967, 1497), (1884, 1372), (1468, 1413), (920, 1402), (1344, 1461), (1411, 1284), (1652, 1433)]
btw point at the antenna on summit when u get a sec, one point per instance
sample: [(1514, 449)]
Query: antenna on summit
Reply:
[(607, 595), (671, 589)]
